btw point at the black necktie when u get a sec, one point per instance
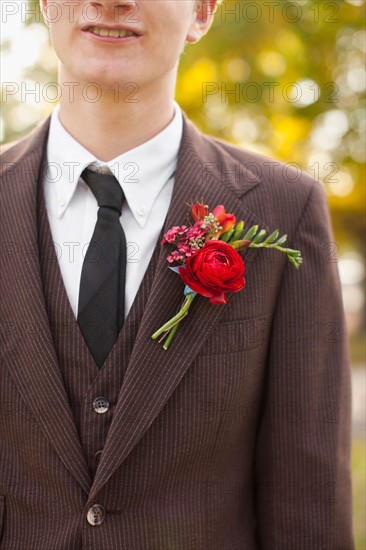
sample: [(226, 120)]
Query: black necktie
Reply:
[(102, 284)]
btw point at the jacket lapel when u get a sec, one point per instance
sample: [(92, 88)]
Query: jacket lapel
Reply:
[(27, 341), (152, 373)]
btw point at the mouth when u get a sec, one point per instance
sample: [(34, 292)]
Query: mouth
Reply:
[(115, 33), (110, 34)]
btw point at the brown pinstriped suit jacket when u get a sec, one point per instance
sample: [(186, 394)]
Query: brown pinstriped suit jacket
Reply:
[(240, 438)]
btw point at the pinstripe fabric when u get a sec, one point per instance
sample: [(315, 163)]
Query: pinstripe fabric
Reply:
[(236, 438), (83, 380)]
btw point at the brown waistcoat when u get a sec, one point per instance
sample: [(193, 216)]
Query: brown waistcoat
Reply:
[(83, 380)]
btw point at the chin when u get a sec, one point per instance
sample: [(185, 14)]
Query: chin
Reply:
[(112, 78), (93, 83)]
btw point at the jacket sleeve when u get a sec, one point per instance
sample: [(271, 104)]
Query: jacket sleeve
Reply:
[(302, 461)]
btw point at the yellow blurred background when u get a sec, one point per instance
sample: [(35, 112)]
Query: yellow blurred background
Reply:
[(286, 79)]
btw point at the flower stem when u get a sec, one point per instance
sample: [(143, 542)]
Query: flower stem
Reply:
[(176, 323), (170, 336), (293, 255), (177, 318)]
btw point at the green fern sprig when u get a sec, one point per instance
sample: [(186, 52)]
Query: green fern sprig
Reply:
[(255, 238)]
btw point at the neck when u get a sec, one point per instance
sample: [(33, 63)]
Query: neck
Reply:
[(120, 120)]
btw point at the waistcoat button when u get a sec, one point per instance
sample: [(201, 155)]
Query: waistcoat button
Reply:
[(98, 455), (100, 405), (96, 514)]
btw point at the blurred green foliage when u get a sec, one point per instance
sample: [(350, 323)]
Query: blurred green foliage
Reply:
[(286, 79)]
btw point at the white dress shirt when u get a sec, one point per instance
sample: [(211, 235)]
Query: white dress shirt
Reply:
[(146, 175)]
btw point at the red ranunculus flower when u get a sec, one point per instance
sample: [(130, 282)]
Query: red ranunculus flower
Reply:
[(214, 269)]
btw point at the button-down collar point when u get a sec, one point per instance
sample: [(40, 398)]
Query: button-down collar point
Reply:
[(141, 211)]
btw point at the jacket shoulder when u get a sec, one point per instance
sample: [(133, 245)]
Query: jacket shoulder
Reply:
[(10, 150), (14, 153), (275, 191), (268, 170)]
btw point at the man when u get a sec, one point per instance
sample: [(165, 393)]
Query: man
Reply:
[(238, 436)]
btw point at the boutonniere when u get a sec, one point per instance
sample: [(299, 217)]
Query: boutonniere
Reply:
[(209, 260)]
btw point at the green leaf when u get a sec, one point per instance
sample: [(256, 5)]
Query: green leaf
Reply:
[(260, 236), (273, 236), (226, 236), (250, 233), (282, 239), (239, 228)]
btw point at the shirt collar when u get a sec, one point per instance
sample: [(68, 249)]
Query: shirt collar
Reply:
[(142, 172)]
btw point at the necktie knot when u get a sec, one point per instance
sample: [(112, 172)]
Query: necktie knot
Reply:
[(105, 188)]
